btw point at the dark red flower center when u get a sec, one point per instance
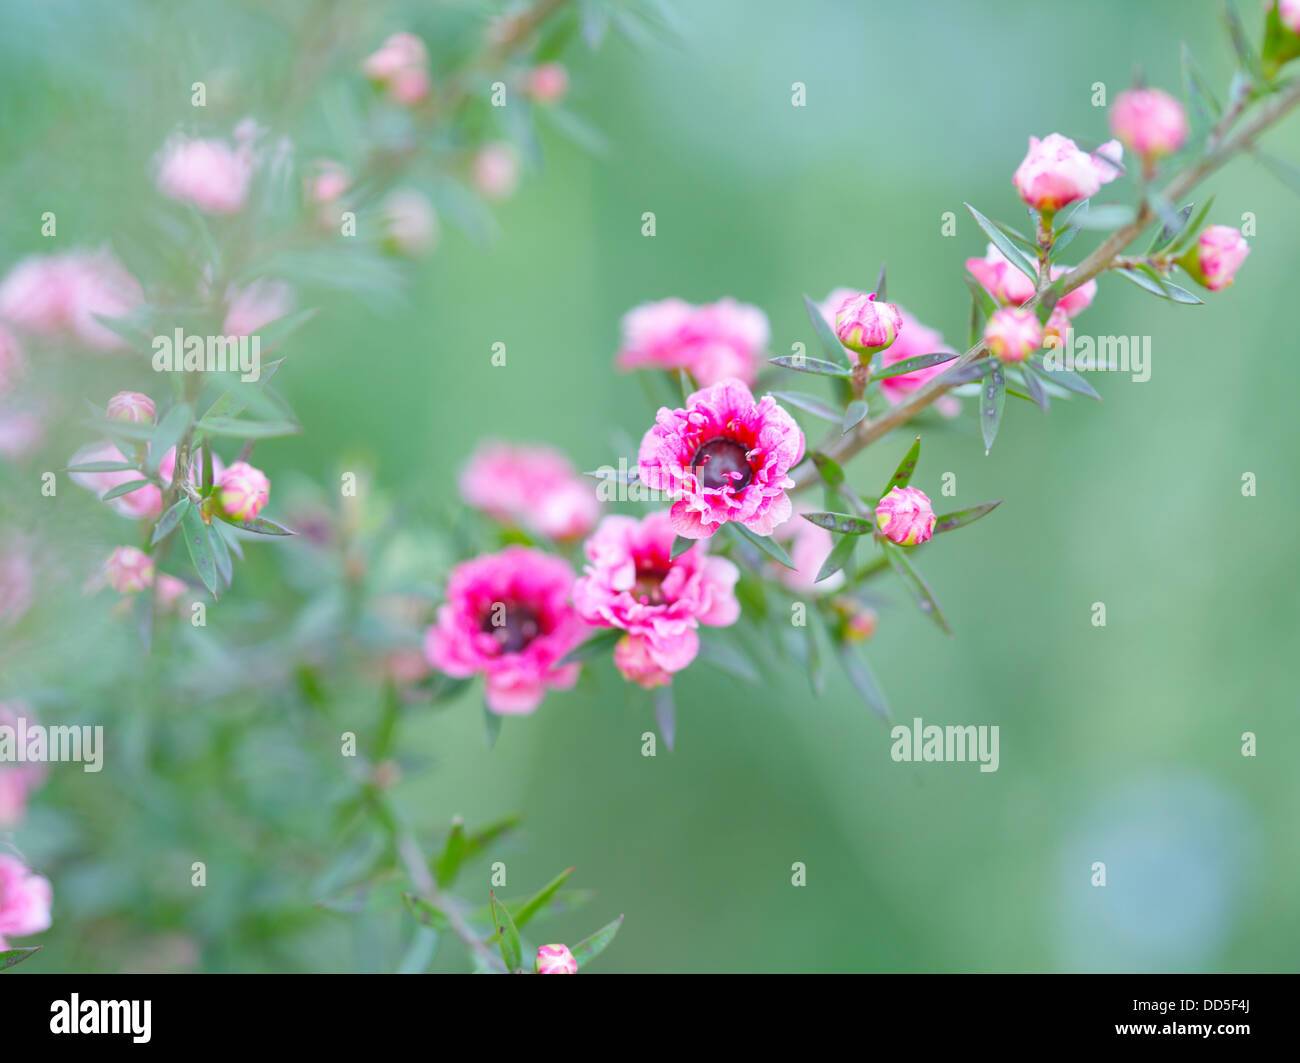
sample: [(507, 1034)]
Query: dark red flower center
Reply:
[(649, 586), (722, 463), (513, 626)]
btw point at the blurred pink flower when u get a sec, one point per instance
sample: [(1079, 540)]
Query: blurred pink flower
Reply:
[(633, 582), (1216, 256), (548, 82), (17, 578), (724, 457), (12, 364), (63, 294), (495, 170), (410, 223), (808, 546), (255, 306), (1055, 172), (25, 900), (532, 487), (209, 173), (712, 342), (507, 617), (1149, 122), (1013, 334), (128, 570)]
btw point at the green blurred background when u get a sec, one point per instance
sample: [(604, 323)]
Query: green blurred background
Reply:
[(1119, 744)]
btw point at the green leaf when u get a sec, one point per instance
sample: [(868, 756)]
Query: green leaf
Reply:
[(828, 468), (811, 403), (1241, 42), (1286, 172), (853, 415), (256, 525), (992, 398), (809, 365), (1034, 388), (425, 913), (816, 673), (665, 715), (1164, 236), (282, 328), (233, 428), (880, 284), (124, 466), (910, 365), (826, 336), (765, 543), (589, 948), (538, 900), (507, 935), (725, 657), (123, 489), (1068, 379), (1148, 280), (199, 544), (863, 680), (1190, 231), (837, 559), (169, 432), (1164, 210), (594, 646), (491, 726), (680, 545), (1003, 243), (12, 957), (916, 585), (843, 523), (221, 555), (1107, 216), (461, 847), (961, 517), (1200, 100), (687, 385), (903, 474)]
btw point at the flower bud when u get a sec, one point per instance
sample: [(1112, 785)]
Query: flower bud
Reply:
[(1056, 326), (1013, 334), (495, 171), (131, 406), (1149, 122), (1215, 257), (1055, 172), (242, 491), (865, 325), (1288, 13), (548, 83), (555, 959), (905, 516), (128, 570), (857, 621), (633, 659), (410, 224)]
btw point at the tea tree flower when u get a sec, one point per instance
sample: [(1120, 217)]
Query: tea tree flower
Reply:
[(1149, 122), (1013, 334), (242, 491), (1055, 172), (864, 325), (25, 900), (1216, 256), (130, 406), (555, 959), (905, 516), (531, 487), (712, 342)]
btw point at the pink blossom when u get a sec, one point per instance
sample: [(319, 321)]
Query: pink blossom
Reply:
[(857, 622), (1055, 172), (16, 780), (1000, 278), (242, 490), (255, 306), (1149, 122), (128, 570), (64, 294), (555, 959), (410, 86), (530, 486), (328, 182), (633, 582), (495, 170), (170, 591), (1013, 334), (724, 457), (508, 618), (1216, 256), (712, 342), (1288, 12), (548, 82), (1076, 302), (210, 174), (905, 516), (410, 224), (144, 503), (865, 325), (399, 52), (25, 900), (21, 432), (809, 547), (12, 364), (131, 407)]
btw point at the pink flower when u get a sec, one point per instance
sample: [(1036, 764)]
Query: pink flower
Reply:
[(21, 432), (508, 618), (905, 516), (128, 570), (210, 174), (548, 82), (64, 294), (242, 490), (1216, 256), (410, 224), (16, 780), (1288, 12), (555, 959), (255, 306), (11, 359), (712, 342), (724, 457), (865, 325), (633, 582), (24, 900), (533, 487), (1000, 278), (495, 170), (1055, 172), (132, 407), (914, 339), (1076, 302), (328, 182), (410, 86), (16, 581), (144, 503), (1149, 122), (809, 548), (1056, 327), (400, 52), (170, 590), (1013, 334), (857, 622)]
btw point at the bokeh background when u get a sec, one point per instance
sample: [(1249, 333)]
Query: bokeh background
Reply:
[(1119, 744)]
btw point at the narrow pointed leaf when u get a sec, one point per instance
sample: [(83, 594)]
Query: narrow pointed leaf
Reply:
[(844, 523), (880, 284), (589, 948), (809, 365), (199, 544), (830, 343), (425, 913), (903, 474), (221, 555), (916, 585), (169, 520), (724, 656), (538, 900), (992, 398), (680, 545), (766, 543), (837, 559), (507, 935), (811, 403), (123, 489), (666, 715), (593, 647), (961, 517), (828, 468), (168, 433), (1034, 388), (853, 415), (491, 726), (1004, 243), (11, 957), (863, 680), (124, 466), (910, 365), (257, 525), (1068, 379)]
